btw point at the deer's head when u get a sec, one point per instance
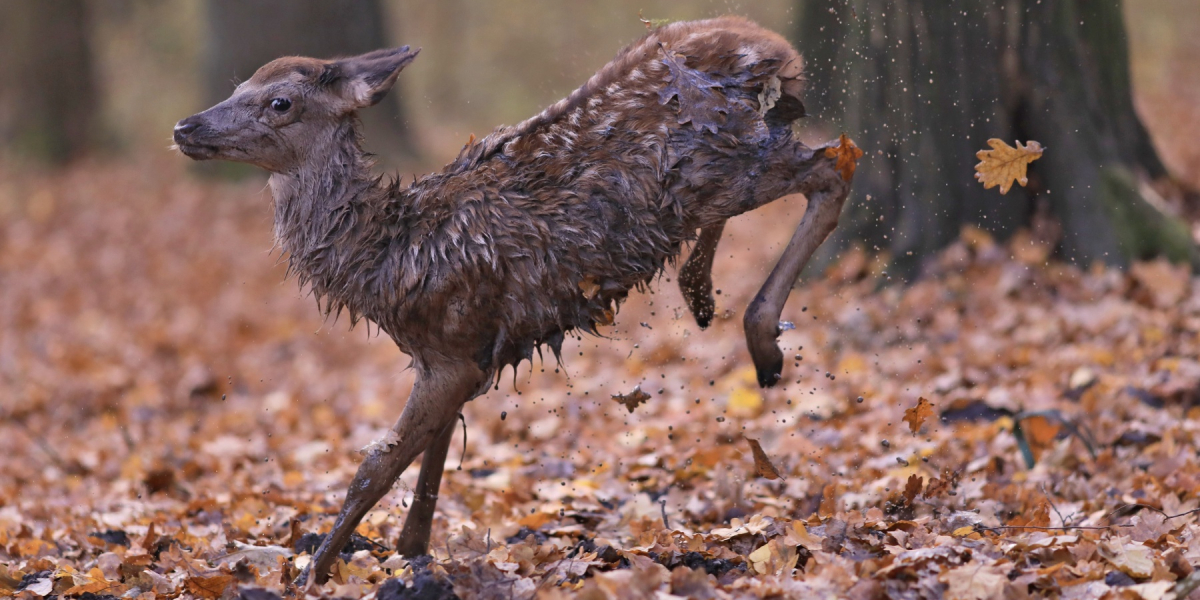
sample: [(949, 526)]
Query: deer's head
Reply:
[(289, 107)]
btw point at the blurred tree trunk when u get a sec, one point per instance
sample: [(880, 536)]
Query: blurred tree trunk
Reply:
[(246, 34), (923, 84), (47, 91)]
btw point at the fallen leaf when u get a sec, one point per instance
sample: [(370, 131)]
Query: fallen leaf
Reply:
[(916, 415), (93, 581), (847, 155), (41, 587), (762, 464), (210, 586), (633, 399), (1003, 163), (975, 582), (1038, 517), (1133, 559), (773, 558), (264, 558)]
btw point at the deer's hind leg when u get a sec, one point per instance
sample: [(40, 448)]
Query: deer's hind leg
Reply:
[(695, 277), (439, 393), (796, 169), (414, 538)]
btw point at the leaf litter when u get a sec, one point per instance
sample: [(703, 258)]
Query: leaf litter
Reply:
[(179, 423)]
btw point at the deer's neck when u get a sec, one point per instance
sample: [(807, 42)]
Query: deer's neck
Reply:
[(329, 216)]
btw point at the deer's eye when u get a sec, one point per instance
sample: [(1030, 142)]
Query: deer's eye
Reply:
[(280, 104)]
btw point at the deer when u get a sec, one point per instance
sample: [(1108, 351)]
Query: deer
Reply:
[(535, 231)]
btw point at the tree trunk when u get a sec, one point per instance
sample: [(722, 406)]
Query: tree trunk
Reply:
[(243, 35), (47, 91), (923, 84)]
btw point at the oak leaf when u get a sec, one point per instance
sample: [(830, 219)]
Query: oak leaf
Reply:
[(916, 415), (913, 487), (847, 155), (633, 399), (1003, 164), (762, 464)]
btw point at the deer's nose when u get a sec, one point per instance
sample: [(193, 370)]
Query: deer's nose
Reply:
[(185, 128)]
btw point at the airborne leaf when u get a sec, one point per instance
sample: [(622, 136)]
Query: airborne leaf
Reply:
[(916, 415), (762, 464), (1003, 164), (633, 399), (847, 155)]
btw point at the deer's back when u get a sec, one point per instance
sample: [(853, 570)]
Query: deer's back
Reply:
[(544, 227)]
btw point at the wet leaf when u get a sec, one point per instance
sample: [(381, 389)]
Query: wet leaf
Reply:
[(1004, 164)]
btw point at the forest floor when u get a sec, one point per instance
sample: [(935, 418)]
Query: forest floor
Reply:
[(176, 419)]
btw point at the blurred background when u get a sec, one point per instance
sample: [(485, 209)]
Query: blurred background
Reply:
[(920, 84)]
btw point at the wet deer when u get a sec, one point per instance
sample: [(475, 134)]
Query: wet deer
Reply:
[(472, 268)]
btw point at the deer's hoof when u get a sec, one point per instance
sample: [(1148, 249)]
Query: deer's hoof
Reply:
[(704, 312), (769, 370)]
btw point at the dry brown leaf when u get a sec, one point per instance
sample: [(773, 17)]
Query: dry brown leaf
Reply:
[(762, 464), (916, 415), (975, 582), (93, 581), (210, 586), (1132, 558), (774, 558), (633, 399), (912, 488), (847, 155), (1038, 517), (1003, 164)]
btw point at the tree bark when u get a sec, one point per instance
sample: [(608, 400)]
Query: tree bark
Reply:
[(47, 88), (923, 84), (243, 35)]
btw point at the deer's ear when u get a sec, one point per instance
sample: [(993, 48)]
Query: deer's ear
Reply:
[(365, 79)]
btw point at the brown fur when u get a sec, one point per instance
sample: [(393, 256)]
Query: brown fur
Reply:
[(533, 232), (486, 258)]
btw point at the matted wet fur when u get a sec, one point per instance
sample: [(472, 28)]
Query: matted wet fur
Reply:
[(487, 257), (533, 232)]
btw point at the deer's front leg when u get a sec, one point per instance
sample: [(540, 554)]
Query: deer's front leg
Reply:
[(414, 538), (437, 396), (826, 190), (695, 277)]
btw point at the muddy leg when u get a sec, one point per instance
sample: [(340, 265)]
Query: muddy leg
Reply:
[(826, 192), (414, 538), (695, 278), (437, 396)]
